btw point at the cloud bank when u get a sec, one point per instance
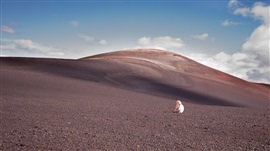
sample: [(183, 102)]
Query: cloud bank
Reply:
[(93, 40), (8, 30), (252, 62), (161, 42), (227, 22), (203, 36), (29, 46)]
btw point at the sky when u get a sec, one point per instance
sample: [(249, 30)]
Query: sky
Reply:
[(229, 35)]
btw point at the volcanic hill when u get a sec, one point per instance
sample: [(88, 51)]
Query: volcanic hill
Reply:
[(124, 100), (174, 76)]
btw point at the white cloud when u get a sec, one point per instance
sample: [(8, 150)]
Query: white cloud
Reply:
[(229, 23), (160, 42), (252, 62), (29, 46), (203, 36), (259, 74), (242, 11), (86, 37), (258, 45), (210, 61), (103, 42), (74, 23), (90, 39), (261, 11), (238, 64), (237, 8), (223, 57), (232, 3), (8, 29)]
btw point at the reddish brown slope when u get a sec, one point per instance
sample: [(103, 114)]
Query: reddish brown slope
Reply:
[(54, 104), (153, 72), (175, 76)]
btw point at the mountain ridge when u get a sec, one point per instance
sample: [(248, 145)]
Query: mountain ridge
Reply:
[(154, 72), (178, 64)]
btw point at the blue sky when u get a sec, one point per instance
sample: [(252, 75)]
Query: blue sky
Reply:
[(202, 30)]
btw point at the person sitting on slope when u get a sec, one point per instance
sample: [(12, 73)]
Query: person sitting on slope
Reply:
[(179, 107)]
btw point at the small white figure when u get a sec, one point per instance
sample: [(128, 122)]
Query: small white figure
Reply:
[(179, 107)]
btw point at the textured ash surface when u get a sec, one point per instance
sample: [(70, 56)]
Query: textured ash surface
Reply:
[(43, 108)]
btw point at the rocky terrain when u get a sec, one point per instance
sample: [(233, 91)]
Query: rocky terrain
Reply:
[(124, 100)]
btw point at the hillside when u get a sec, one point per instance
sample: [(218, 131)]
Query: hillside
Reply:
[(172, 75), (124, 100)]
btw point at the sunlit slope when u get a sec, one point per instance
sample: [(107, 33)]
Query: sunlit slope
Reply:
[(175, 76)]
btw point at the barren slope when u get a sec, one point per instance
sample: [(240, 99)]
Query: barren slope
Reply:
[(167, 74), (112, 102)]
